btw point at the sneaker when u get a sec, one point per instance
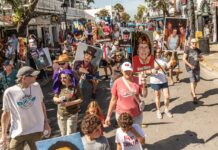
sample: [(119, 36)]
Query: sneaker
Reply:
[(168, 114), (159, 115)]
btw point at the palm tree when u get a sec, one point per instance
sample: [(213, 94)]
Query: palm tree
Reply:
[(125, 17), (102, 13), (118, 7), (192, 18), (140, 13)]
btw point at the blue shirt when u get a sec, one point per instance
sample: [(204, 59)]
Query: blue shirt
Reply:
[(8, 81)]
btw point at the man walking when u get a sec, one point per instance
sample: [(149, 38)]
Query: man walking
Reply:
[(191, 58), (23, 106)]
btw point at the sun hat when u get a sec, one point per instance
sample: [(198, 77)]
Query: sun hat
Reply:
[(27, 71), (126, 66), (63, 58)]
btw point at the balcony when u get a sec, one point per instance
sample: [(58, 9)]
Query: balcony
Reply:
[(54, 7)]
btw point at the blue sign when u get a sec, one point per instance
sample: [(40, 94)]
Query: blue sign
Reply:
[(72, 142)]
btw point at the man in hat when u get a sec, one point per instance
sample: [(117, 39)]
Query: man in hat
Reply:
[(125, 44), (8, 76), (87, 74), (23, 105), (192, 56)]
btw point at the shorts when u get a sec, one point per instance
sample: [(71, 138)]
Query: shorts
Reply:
[(157, 87), (194, 75), (104, 63)]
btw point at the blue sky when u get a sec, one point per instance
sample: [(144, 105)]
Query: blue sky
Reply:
[(130, 5)]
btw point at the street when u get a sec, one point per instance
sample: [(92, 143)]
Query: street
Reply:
[(193, 127)]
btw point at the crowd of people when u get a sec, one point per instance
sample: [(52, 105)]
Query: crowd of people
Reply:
[(75, 83)]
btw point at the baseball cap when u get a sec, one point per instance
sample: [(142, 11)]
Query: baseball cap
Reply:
[(27, 71), (193, 41), (126, 66)]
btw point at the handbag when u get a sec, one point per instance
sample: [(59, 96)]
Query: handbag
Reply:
[(140, 103)]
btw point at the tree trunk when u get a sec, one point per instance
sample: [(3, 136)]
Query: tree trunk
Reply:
[(192, 19)]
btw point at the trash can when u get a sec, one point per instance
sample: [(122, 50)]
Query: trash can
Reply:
[(204, 45)]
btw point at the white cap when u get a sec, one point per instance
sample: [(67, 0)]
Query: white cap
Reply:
[(126, 66), (193, 41)]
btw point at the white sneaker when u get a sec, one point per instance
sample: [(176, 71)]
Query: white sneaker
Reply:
[(168, 114), (159, 115)]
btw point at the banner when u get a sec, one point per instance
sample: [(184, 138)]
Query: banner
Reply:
[(175, 34), (143, 55), (40, 59), (69, 142), (82, 47)]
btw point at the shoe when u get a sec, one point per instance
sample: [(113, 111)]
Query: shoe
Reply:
[(195, 101), (168, 114), (159, 115)]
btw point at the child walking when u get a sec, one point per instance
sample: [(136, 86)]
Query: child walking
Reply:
[(129, 136)]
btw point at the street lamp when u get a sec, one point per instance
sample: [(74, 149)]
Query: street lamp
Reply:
[(64, 6)]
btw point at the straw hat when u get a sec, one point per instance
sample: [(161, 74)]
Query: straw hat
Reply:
[(63, 58)]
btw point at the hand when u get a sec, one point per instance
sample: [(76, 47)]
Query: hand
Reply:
[(107, 121), (192, 67), (48, 128), (154, 71), (83, 70), (3, 141)]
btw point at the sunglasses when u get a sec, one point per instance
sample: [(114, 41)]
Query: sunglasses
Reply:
[(63, 78), (119, 55), (61, 64)]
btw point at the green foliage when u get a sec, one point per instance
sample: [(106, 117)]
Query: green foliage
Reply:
[(140, 13), (125, 17), (119, 7), (102, 13)]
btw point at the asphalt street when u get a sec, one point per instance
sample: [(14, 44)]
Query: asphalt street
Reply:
[(193, 127)]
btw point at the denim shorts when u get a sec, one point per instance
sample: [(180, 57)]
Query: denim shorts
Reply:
[(157, 87), (194, 75)]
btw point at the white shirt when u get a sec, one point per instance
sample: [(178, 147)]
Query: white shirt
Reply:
[(26, 111), (160, 77), (127, 140)]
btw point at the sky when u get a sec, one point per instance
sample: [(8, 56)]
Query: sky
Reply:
[(129, 5)]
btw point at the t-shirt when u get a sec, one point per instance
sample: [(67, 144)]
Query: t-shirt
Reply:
[(25, 107), (173, 42), (127, 140), (8, 81), (125, 98), (138, 66), (192, 57), (160, 77), (100, 143)]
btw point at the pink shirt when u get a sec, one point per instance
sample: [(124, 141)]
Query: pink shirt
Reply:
[(125, 99)]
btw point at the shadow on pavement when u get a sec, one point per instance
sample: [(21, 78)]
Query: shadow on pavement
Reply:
[(158, 123), (185, 80), (152, 106), (208, 93), (175, 142), (208, 79), (186, 107), (212, 137)]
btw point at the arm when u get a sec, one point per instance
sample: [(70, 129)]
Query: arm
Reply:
[(75, 102), (112, 105), (138, 136), (119, 146), (46, 124), (4, 123)]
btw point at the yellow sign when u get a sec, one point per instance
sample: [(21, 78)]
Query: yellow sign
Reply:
[(198, 34)]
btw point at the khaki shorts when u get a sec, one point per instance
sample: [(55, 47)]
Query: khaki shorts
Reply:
[(18, 142)]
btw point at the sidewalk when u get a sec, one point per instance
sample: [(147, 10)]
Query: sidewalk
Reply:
[(211, 60)]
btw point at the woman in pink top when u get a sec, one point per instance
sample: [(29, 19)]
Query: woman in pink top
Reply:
[(126, 100)]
